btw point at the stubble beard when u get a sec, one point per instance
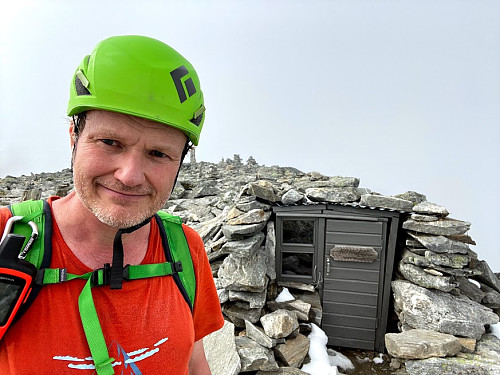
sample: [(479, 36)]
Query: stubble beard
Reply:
[(128, 216)]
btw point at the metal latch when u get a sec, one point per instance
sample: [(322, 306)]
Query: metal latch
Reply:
[(34, 234)]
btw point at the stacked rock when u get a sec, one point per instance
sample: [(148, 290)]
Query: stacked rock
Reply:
[(444, 298)]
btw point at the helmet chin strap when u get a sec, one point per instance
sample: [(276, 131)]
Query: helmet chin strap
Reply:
[(116, 278)]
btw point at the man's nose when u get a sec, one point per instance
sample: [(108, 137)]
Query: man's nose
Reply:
[(130, 171)]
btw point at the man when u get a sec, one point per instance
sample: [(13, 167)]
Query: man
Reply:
[(137, 106)]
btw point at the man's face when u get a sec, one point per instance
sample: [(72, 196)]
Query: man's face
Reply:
[(124, 166)]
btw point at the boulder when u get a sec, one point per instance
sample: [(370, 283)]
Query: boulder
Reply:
[(239, 314), (421, 343), (487, 276), (254, 216), (292, 196), (382, 201), (422, 308), (485, 360), (279, 324), (246, 247), (264, 190), (247, 274), (448, 260), (441, 244), (258, 335), (240, 232), (253, 356), (419, 277), (428, 208), (333, 195), (443, 227), (293, 352), (220, 350)]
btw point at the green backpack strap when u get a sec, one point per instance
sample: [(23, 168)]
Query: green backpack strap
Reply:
[(41, 251), (177, 252), (38, 212)]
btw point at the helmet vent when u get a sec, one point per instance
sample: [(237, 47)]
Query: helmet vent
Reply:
[(80, 88), (197, 120)]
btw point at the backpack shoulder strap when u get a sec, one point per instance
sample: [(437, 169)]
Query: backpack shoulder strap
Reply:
[(177, 251), (39, 212), (41, 252)]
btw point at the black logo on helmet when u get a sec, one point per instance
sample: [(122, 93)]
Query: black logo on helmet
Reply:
[(177, 76)]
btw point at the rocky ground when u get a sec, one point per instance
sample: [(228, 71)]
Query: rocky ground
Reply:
[(228, 203)]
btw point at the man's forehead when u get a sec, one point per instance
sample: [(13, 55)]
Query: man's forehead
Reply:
[(117, 124)]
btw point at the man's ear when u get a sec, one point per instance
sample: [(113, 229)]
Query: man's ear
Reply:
[(72, 135)]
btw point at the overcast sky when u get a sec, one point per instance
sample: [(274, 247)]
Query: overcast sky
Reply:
[(403, 94)]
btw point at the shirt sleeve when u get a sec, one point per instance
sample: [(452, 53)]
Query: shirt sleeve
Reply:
[(207, 315), (4, 216)]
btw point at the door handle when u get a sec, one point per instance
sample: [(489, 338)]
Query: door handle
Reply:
[(327, 266)]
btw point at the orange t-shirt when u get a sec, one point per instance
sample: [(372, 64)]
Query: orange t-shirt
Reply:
[(147, 325)]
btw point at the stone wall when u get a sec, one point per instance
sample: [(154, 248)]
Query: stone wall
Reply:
[(230, 203)]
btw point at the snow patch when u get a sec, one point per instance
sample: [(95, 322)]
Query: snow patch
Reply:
[(320, 361), (340, 360), (285, 296), (475, 282), (495, 329), (378, 360)]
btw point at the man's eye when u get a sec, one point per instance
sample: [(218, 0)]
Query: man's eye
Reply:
[(158, 154), (108, 142)]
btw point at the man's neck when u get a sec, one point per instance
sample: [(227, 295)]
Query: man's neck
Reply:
[(91, 240)]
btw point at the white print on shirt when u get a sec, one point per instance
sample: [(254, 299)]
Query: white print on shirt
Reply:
[(123, 360)]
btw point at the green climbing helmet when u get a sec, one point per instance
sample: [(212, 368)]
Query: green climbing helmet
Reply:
[(143, 77)]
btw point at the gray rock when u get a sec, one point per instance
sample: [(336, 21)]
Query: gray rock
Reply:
[(207, 229), (420, 277), (410, 257), (341, 182), (441, 244), (293, 352), (255, 300), (253, 356), (333, 195), (270, 251), (220, 350), (487, 276), (239, 232), (469, 289), (491, 297), (444, 227), (300, 308), (258, 335), (238, 314), (279, 324), (264, 190), (382, 201), (448, 260), (428, 208), (412, 196), (206, 190), (247, 274), (485, 360), (247, 203), (298, 286), (312, 298), (470, 365), (420, 217), (246, 247), (421, 344), (254, 216), (422, 308), (292, 196)]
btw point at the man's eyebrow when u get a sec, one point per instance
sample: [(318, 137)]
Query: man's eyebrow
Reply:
[(104, 133)]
